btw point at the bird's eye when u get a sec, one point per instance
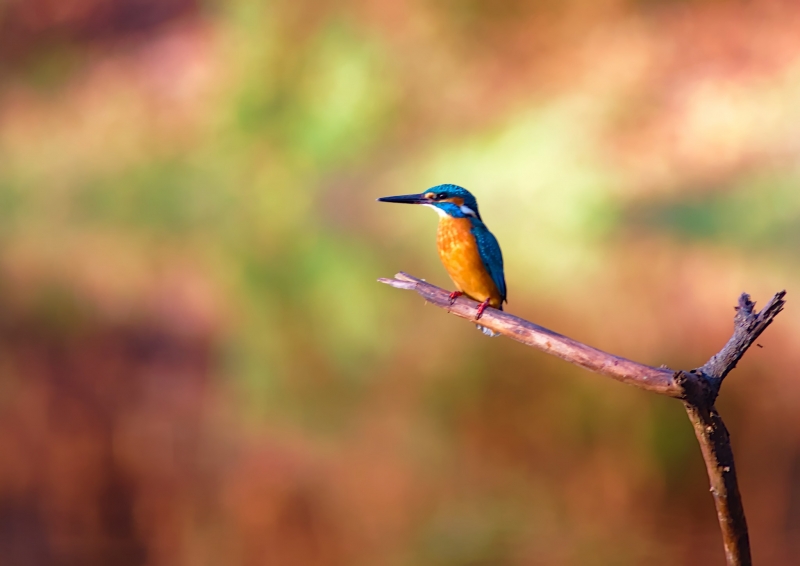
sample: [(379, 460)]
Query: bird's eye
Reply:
[(441, 196)]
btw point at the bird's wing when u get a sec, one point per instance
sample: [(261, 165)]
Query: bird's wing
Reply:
[(491, 255)]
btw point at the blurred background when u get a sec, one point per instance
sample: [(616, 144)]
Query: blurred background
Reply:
[(197, 366)]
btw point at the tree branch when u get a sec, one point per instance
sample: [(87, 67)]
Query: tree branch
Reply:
[(657, 380), (747, 326), (715, 445), (710, 429), (697, 388)]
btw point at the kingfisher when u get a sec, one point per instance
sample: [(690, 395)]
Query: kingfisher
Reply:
[(469, 252)]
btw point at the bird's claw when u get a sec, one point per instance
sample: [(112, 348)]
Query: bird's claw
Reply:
[(481, 308), (454, 295)]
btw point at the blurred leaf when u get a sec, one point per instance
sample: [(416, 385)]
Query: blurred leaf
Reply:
[(759, 212)]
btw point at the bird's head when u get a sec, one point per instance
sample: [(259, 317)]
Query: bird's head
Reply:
[(447, 200)]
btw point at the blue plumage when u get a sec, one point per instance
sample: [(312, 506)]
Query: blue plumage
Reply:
[(491, 255)]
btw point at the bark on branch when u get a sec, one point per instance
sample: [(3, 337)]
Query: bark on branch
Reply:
[(697, 388)]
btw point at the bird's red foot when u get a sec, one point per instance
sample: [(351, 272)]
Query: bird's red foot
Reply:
[(481, 308), (454, 295)]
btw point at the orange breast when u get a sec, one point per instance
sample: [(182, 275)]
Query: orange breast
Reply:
[(459, 254)]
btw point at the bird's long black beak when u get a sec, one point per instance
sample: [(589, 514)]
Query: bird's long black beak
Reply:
[(407, 199)]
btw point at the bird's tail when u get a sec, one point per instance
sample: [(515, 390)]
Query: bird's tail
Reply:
[(488, 331)]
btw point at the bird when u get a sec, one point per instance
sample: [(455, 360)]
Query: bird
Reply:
[(468, 250)]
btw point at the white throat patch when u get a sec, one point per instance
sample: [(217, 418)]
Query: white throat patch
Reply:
[(441, 212), (464, 210)]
